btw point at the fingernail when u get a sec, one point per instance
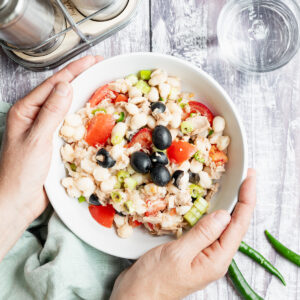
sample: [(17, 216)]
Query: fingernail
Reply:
[(62, 89), (222, 217)]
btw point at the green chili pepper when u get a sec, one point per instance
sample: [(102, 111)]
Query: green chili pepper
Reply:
[(284, 251), (99, 109), (129, 206), (73, 167), (81, 199), (256, 256), (198, 156), (120, 117), (116, 196), (210, 132), (241, 284), (196, 191)]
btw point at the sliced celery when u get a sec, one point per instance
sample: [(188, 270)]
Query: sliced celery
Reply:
[(116, 196), (129, 206), (196, 190), (201, 204), (143, 86), (130, 183), (122, 175), (186, 127), (198, 209), (145, 74)]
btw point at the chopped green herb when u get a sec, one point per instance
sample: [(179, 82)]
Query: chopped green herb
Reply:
[(210, 132), (73, 167), (192, 115), (81, 199), (145, 74), (161, 99)]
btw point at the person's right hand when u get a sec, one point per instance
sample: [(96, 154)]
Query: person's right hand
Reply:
[(176, 269)]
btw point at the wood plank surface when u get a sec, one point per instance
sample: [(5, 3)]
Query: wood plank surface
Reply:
[(268, 105)]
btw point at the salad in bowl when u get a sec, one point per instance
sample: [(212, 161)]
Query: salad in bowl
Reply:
[(144, 152)]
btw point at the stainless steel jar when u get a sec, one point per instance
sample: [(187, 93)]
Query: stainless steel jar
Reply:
[(28, 24), (109, 8)]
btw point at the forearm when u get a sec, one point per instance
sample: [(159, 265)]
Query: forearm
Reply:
[(12, 223)]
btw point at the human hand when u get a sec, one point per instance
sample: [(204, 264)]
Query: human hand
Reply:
[(27, 147), (201, 256)]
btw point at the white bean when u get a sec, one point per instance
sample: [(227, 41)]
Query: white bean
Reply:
[(125, 231), (87, 165), (184, 166), (119, 220), (218, 124), (174, 133), (175, 121), (157, 77), (213, 139), (139, 178), (79, 133), (153, 95), (67, 152), (85, 185), (174, 108), (74, 192), (151, 122), (138, 121), (164, 90), (101, 174), (67, 182), (73, 120), (134, 92), (132, 108), (223, 142), (174, 93), (119, 130), (196, 166), (205, 180), (67, 131), (108, 185), (174, 82)]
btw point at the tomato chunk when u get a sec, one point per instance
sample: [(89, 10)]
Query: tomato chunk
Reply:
[(143, 137), (180, 151), (121, 98), (217, 156), (155, 206), (104, 215), (99, 95), (198, 107), (134, 223), (99, 129)]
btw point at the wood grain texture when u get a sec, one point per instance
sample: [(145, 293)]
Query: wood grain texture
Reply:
[(268, 105)]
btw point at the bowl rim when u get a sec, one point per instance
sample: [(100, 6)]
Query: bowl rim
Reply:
[(208, 78)]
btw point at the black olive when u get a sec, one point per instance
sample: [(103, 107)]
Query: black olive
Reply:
[(160, 175), (140, 162), (94, 200), (158, 107), (105, 160), (161, 137), (194, 177), (120, 214), (177, 176), (159, 158)]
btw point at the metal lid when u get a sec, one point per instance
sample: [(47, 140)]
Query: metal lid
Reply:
[(11, 11)]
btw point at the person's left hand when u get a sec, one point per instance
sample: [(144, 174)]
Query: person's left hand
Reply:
[(27, 147)]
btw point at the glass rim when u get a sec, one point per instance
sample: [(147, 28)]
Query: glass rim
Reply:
[(245, 67)]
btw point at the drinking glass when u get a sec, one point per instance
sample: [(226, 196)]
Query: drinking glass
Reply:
[(259, 35)]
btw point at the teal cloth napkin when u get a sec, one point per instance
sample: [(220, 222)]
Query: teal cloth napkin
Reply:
[(50, 262)]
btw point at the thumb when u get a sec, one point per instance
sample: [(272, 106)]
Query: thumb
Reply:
[(53, 110), (205, 232)]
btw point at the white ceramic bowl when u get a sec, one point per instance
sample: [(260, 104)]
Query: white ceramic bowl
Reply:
[(76, 215)]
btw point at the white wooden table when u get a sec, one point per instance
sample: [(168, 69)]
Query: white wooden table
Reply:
[(270, 108)]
